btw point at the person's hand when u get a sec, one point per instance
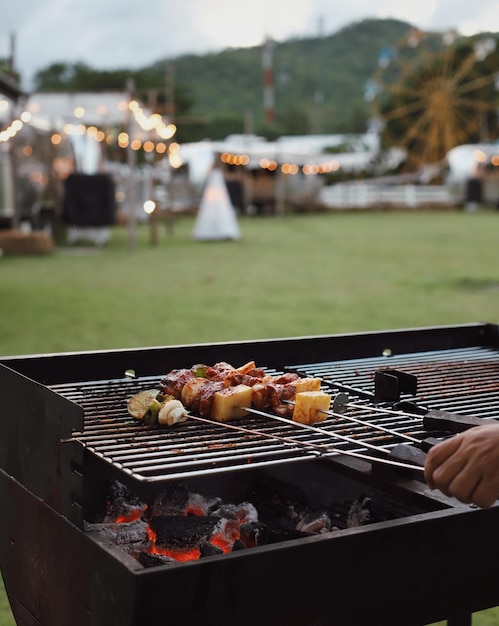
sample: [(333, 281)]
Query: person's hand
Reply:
[(466, 466)]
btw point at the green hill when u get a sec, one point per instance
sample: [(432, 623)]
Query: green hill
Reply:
[(319, 83)]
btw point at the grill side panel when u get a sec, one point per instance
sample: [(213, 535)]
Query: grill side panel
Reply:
[(34, 421), (54, 573)]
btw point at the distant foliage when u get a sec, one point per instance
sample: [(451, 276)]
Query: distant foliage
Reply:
[(319, 84)]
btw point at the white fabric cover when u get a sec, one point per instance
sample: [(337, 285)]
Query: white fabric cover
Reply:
[(216, 218)]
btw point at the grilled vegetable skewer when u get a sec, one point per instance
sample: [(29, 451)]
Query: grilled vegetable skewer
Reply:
[(151, 407), (223, 392)]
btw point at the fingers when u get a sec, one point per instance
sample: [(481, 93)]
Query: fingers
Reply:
[(466, 466), (461, 483), (484, 495), (437, 456), (452, 474)]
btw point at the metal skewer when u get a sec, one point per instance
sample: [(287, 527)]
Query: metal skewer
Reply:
[(316, 429), (340, 403), (321, 450)]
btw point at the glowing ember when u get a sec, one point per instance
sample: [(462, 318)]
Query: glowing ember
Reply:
[(131, 516)]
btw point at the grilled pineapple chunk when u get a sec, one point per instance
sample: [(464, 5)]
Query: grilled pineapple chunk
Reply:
[(229, 403), (307, 384), (247, 367), (310, 406)]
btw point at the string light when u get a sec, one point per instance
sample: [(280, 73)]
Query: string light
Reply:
[(154, 122), (147, 123), (150, 123), (15, 126), (289, 169)]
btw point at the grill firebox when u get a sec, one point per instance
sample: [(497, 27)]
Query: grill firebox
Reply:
[(65, 432)]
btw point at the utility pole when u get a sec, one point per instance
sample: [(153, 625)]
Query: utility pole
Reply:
[(170, 91), (268, 80), (132, 189)]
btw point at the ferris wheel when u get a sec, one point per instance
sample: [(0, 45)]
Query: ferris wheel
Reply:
[(433, 92)]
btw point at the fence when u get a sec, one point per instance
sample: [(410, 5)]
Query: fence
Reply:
[(368, 195)]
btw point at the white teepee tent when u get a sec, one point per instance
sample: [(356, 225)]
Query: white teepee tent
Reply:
[(216, 218)]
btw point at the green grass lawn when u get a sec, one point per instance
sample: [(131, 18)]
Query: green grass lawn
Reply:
[(298, 275), (287, 276)]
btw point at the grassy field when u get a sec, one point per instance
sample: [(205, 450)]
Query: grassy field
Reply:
[(287, 276), (298, 275)]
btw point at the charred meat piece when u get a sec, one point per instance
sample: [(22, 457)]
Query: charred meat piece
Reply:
[(284, 379), (207, 395), (173, 383), (219, 371), (280, 399), (198, 393)]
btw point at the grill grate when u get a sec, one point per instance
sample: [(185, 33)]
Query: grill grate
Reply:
[(464, 381)]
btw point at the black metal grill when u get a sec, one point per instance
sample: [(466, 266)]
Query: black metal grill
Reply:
[(65, 431), (463, 381), (193, 448)]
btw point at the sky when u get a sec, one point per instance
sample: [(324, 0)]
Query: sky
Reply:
[(116, 34)]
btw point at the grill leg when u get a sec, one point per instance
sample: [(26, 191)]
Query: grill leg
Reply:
[(460, 620)]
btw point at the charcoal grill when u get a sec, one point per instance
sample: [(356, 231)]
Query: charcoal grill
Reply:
[(65, 432)]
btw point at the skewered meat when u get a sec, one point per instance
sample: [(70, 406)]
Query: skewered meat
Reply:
[(219, 371), (174, 382), (197, 394), (280, 399), (223, 392)]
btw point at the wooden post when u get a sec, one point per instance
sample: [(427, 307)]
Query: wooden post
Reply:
[(153, 224)]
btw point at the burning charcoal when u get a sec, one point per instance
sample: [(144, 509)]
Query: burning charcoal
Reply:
[(367, 510), (208, 549), (117, 490), (181, 531), (124, 533), (315, 523), (172, 500), (360, 513), (120, 505), (244, 512), (201, 505), (238, 545), (152, 560), (249, 533)]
